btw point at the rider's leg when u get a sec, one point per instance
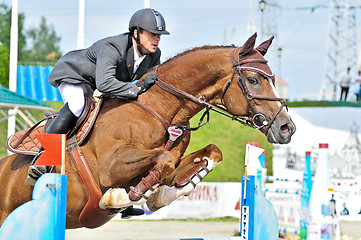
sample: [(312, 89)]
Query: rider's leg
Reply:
[(73, 96)]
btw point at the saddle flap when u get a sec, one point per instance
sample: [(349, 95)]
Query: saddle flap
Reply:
[(25, 142)]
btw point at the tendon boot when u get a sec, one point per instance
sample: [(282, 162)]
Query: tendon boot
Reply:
[(131, 211), (62, 124)]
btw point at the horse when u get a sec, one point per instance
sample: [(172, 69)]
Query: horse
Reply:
[(135, 151)]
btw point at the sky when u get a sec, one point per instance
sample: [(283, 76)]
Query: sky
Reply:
[(302, 33)]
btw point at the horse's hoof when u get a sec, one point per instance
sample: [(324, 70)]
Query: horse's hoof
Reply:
[(156, 200), (114, 198), (104, 201)]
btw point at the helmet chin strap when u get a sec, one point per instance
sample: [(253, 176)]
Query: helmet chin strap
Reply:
[(137, 40)]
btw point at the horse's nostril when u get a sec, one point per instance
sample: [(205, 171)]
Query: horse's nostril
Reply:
[(285, 128)]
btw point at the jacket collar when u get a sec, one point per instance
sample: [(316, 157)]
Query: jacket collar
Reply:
[(130, 61)]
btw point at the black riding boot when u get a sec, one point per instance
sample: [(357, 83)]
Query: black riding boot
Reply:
[(131, 211), (61, 125)]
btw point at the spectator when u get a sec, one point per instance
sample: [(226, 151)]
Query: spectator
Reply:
[(345, 83)]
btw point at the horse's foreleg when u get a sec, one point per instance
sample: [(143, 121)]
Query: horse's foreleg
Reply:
[(191, 170), (164, 165)]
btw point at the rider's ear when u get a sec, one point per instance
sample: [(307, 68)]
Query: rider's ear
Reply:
[(263, 47), (248, 45)]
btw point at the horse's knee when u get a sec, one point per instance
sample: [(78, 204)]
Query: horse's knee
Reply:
[(165, 163), (212, 152)]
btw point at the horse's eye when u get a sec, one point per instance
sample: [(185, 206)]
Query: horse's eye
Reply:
[(252, 80)]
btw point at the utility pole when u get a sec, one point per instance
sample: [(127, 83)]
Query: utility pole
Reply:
[(251, 20), (81, 24), (146, 3), (13, 63), (268, 26)]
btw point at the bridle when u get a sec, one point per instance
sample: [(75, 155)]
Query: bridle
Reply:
[(251, 121), (255, 116)]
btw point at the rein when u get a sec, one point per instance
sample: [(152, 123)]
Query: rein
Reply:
[(245, 120), (202, 102)]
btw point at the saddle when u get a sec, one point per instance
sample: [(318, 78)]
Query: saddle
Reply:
[(25, 142)]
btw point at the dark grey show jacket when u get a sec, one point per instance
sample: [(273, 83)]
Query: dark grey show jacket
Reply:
[(107, 65)]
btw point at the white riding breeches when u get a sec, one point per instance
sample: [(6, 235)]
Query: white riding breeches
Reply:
[(74, 96)]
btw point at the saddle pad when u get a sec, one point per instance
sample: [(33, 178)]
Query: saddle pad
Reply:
[(30, 145)]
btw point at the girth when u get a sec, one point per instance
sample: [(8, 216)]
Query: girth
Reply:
[(174, 131)]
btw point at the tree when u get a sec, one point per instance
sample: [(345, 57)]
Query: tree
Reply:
[(43, 47), (5, 25), (4, 65), (44, 44)]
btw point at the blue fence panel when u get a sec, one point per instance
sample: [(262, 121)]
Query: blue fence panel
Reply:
[(49, 90), (56, 97), (21, 80), (33, 82), (31, 77), (40, 83)]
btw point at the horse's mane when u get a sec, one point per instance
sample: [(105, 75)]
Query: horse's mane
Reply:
[(205, 47)]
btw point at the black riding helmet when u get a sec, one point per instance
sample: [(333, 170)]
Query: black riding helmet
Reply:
[(148, 19)]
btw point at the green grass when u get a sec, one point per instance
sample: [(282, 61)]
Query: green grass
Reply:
[(3, 136), (308, 103), (231, 137)]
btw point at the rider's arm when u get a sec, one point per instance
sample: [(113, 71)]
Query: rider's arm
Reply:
[(106, 66)]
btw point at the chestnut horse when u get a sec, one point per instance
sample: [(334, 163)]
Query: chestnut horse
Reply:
[(132, 157)]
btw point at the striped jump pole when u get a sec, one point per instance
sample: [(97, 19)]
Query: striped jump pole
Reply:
[(44, 217), (285, 191), (273, 178)]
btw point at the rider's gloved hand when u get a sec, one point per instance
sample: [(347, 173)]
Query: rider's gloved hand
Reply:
[(147, 83)]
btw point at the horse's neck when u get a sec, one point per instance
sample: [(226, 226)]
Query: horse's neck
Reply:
[(201, 75)]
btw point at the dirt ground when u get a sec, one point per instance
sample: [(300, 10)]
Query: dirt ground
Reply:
[(116, 230), (126, 230)]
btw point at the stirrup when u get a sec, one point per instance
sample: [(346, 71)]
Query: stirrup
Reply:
[(35, 172)]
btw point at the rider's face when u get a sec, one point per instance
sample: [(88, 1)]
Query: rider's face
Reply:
[(148, 41)]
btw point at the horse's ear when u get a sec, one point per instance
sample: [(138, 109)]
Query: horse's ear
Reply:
[(248, 45), (263, 47)]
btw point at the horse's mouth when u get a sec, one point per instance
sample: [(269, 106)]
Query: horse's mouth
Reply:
[(282, 134)]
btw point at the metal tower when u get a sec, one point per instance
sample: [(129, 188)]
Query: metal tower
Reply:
[(341, 45), (351, 154)]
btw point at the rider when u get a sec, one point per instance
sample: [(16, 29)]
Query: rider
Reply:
[(109, 65)]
